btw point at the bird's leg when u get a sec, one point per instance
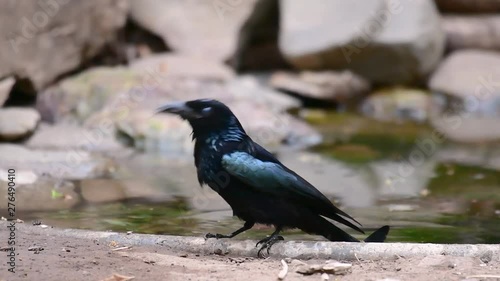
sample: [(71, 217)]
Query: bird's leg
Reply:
[(245, 227), (268, 242)]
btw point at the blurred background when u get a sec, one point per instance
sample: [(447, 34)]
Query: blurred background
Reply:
[(389, 107)]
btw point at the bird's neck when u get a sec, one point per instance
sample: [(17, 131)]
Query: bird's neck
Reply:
[(224, 132)]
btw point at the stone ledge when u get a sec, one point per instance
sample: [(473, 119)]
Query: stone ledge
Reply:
[(291, 249)]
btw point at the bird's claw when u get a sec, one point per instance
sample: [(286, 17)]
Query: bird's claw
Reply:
[(267, 243), (216, 236)]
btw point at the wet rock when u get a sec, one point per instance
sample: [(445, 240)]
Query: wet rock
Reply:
[(472, 32), (39, 196), (326, 86), (41, 41), (71, 164), (384, 41), (64, 136), (467, 87), (397, 104), (5, 87), (110, 190), (467, 6), (16, 123), (201, 28), (182, 66)]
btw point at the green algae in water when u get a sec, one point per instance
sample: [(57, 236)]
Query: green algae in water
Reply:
[(165, 218), (466, 182), (365, 138)]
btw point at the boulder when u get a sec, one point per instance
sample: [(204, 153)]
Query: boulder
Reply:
[(40, 40), (469, 74), (201, 28), (72, 137), (469, 6), (384, 41), (327, 86), (70, 164), (17, 122), (182, 66), (77, 97), (124, 99), (472, 32), (468, 85)]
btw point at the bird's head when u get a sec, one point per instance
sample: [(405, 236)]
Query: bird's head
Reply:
[(205, 116)]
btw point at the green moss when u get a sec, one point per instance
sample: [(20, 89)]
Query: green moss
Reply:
[(460, 181), (351, 153), (378, 139)]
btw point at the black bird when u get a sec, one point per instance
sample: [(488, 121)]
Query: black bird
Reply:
[(253, 182)]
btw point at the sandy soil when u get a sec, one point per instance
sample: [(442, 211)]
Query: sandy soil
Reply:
[(83, 259)]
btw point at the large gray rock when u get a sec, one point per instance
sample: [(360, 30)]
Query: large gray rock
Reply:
[(124, 99), (468, 85), (326, 86), (40, 40), (181, 66), (468, 73), (201, 28), (69, 164), (473, 32), (77, 97), (17, 122), (384, 41), (66, 137)]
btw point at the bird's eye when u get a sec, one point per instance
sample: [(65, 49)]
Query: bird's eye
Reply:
[(206, 111)]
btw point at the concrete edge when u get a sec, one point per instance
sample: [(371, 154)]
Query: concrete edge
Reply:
[(346, 251)]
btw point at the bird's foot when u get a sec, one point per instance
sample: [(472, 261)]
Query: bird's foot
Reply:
[(216, 236), (267, 243)]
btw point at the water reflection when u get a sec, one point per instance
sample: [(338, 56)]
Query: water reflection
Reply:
[(451, 196)]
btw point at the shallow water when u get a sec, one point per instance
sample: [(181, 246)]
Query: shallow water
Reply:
[(380, 173)]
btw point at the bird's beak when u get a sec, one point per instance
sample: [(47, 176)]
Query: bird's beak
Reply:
[(179, 108)]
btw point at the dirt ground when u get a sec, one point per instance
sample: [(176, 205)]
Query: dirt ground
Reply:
[(85, 259)]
